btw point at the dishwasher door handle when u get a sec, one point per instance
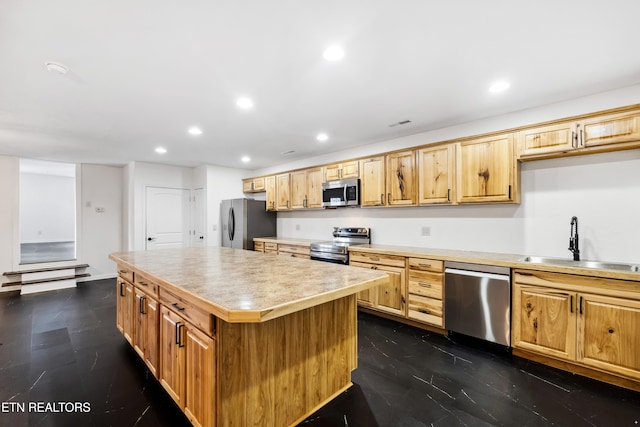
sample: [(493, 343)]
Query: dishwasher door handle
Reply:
[(494, 276)]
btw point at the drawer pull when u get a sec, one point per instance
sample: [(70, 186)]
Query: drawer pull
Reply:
[(122, 289), (177, 307), (424, 265), (123, 271), (373, 267), (425, 285), (143, 283), (424, 311), (374, 258)]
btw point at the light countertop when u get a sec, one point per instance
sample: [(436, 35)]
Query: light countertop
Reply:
[(245, 286)]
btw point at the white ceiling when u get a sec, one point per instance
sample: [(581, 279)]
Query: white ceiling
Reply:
[(143, 71)]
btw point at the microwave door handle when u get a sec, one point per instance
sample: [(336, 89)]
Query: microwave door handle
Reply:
[(344, 194)]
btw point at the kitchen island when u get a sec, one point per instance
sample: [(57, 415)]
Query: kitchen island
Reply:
[(240, 338)]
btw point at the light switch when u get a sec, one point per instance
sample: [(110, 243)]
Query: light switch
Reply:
[(100, 210)]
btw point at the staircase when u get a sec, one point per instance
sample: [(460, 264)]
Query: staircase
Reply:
[(46, 279)]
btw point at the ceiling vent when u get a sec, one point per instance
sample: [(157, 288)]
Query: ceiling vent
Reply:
[(404, 122)]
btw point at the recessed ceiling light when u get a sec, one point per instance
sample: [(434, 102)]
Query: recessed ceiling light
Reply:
[(245, 159), (499, 86), (195, 131), (244, 103), (161, 150), (56, 67), (333, 53), (322, 137)]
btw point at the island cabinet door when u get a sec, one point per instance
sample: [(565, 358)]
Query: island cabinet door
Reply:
[(139, 322), (201, 377), (172, 355), (124, 309), (609, 334), (151, 327)]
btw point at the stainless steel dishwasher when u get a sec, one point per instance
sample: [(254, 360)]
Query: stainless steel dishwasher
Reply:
[(477, 301)]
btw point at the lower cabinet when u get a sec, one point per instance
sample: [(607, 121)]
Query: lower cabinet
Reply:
[(587, 321), (187, 369), (296, 251), (426, 290), (124, 309), (145, 343), (391, 297)]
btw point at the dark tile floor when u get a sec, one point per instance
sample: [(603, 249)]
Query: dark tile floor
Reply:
[(62, 348)]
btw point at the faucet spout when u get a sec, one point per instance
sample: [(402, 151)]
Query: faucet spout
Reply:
[(573, 239)]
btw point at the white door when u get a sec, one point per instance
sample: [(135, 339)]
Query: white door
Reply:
[(167, 218), (199, 227)]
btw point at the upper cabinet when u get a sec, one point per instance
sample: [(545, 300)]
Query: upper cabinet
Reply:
[(306, 189), (389, 180), (607, 132), (436, 174), (253, 185), (283, 192), (342, 171), (270, 188), (487, 170)]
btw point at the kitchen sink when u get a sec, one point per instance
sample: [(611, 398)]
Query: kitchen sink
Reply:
[(582, 264)]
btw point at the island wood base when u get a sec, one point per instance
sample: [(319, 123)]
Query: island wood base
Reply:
[(279, 372)]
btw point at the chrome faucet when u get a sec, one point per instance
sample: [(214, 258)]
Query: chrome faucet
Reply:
[(573, 239)]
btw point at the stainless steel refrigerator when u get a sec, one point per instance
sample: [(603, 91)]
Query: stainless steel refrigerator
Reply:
[(244, 219)]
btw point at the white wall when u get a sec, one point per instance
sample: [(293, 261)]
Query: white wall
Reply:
[(101, 232), (603, 190), (9, 188)]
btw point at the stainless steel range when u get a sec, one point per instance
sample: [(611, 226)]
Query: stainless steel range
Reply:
[(336, 250)]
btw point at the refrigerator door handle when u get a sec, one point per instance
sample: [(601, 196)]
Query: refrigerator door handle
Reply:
[(232, 223)]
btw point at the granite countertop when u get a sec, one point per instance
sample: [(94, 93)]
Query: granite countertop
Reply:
[(245, 286)]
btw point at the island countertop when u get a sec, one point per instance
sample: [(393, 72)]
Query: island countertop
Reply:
[(245, 286)]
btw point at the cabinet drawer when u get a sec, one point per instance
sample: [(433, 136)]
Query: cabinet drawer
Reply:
[(380, 259), (125, 273), (258, 246), (147, 285), (293, 249), (270, 247), (195, 315), (425, 309), (426, 285), (426, 264)]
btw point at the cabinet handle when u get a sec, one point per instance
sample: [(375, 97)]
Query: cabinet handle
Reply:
[(287, 204), (304, 203), (425, 285), (175, 304), (373, 267), (388, 198), (425, 311), (580, 305), (424, 264), (121, 289), (382, 199), (143, 303), (123, 271), (571, 304), (180, 343), (573, 139), (143, 284), (509, 192), (581, 138), (448, 194), (178, 333), (374, 258)]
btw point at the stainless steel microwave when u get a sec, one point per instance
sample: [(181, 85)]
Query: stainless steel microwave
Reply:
[(345, 192)]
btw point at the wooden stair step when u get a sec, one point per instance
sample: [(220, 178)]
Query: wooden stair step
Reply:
[(41, 270), (53, 279)]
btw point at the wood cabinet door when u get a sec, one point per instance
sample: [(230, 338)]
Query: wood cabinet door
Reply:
[(436, 174), (366, 298), (298, 189), (350, 169), (258, 184), (127, 317), (139, 322), (201, 377), (172, 355), (247, 185), (609, 334), (610, 129), (547, 139), (151, 334), (401, 179), (270, 188), (120, 304), (544, 321), (391, 297), (372, 182), (283, 190), (314, 188), (485, 170), (332, 172)]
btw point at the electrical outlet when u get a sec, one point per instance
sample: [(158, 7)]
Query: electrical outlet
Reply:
[(297, 227), (426, 231)]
